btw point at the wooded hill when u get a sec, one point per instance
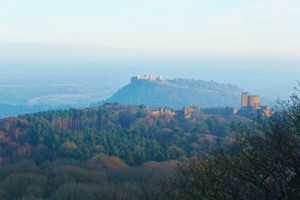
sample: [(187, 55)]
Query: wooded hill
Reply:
[(128, 132), (178, 93)]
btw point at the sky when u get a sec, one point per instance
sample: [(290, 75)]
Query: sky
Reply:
[(96, 30), (254, 44)]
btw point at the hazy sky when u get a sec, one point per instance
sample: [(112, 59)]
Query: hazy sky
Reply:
[(148, 29)]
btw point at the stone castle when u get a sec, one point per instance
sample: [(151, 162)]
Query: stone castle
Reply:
[(250, 107), (162, 111), (250, 104), (148, 77), (189, 112), (250, 101)]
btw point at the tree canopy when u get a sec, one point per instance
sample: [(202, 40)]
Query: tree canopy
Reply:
[(261, 162)]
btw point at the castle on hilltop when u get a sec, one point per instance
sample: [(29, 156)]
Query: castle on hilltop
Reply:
[(148, 77), (250, 107), (251, 104)]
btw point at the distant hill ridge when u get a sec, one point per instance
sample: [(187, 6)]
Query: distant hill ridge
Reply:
[(155, 91)]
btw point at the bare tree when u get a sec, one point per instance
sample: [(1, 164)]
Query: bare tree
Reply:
[(262, 162)]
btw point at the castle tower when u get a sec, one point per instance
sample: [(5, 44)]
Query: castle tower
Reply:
[(244, 100), (267, 111), (254, 102)]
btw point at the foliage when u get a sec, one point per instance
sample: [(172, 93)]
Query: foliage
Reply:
[(69, 179), (179, 93), (128, 132), (262, 162)]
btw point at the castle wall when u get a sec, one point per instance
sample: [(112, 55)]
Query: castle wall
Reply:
[(254, 101), (267, 111), (163, 111), (149, 77), (191, 111)]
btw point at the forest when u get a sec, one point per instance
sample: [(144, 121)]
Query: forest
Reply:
[(112, 151), (261, 162), (101, 178), (124, 152), (128, 132)]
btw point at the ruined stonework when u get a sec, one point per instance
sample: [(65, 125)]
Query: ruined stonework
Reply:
[(225, 111), (254, 101), (267, 111), (148, 77), (250, 106), (250, 101), (244, 100), (231, 110), (163, 111), (191, 111)]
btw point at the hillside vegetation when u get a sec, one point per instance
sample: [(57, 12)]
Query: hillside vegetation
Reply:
[(125, 152), (178, 93), (261, 162), (81, 180), (128, 132)]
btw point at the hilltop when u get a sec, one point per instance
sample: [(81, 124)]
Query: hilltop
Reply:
[(154, 91)]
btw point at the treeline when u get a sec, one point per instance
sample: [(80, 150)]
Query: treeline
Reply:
[(206, 85), (100, 178), (129, 132), (229, 158), (261, 162)]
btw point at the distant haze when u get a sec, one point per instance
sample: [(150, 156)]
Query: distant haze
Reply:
[(78, 52), (270, 79)]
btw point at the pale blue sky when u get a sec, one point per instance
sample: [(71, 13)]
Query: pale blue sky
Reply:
[(148, 29)]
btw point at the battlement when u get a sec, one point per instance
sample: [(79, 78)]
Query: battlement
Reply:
[(163, 111), (250, 106), (250, 101), (149, 77)]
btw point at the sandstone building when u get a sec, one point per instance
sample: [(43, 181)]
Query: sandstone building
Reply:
[(188, 112), (148, 77), (250, 101), (250, 105), (162, 111)]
